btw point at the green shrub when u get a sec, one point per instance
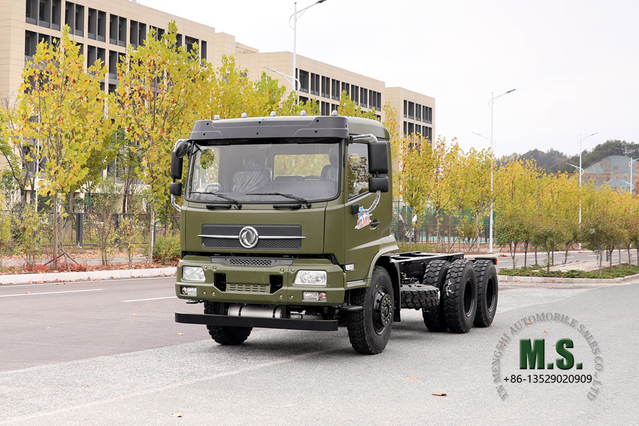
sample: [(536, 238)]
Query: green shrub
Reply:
[(166, 249), (407, 247)]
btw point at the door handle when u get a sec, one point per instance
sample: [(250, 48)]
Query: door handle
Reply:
[(375, 224)]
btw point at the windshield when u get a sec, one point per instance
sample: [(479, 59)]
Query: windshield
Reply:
[(277, 172)]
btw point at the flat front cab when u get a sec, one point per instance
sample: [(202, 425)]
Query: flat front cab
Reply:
[(279, 218)]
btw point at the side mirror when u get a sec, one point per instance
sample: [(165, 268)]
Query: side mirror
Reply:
[(376, 184), (176, 166), (176, 189), (378, 158)]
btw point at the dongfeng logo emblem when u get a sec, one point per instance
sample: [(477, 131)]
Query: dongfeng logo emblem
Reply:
[(248, 237)]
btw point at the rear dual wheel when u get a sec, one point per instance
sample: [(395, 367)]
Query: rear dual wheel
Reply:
[(434, 318), (487, 289), (460, 296)]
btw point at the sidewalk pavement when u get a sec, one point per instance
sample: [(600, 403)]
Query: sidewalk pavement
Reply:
[(169, 271), (39, 278), (86, 276)]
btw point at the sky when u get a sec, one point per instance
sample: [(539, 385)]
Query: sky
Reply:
[(574, 65)]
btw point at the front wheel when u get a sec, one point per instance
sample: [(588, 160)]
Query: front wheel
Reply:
[(225, 335), (369, 328)]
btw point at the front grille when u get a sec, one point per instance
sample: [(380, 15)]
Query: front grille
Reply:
[(226, 237), (248, 288)]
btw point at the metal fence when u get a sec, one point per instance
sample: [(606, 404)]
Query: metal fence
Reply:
[(76, 228), (406, 227)]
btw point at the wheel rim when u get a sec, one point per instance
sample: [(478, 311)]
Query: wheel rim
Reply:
[(382, 311)]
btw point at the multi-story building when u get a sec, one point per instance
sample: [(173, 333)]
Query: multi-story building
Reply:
[(105, 29)]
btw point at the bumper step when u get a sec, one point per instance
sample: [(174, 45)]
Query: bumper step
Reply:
[(281, 323)]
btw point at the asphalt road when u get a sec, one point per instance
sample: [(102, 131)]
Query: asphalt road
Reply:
[(109, 353)]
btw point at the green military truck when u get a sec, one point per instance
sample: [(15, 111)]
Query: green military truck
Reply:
[(286, 223)]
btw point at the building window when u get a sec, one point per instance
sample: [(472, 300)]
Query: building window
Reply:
[(411, 110), (69, 15), (326, 87), (189, 42), (303, 77), (363, 99), (31, 12), (418, 112), (346, 88), (92, 27), (79, 20), (134, 33), (405, 110), (113, 65), (101, 27), (326, 108), (44, 13), (122, 32), (92, 55), (30, 44), (335, 89), (355, 94), (113, 29), (375, 100), (315, 84), (203, 49)]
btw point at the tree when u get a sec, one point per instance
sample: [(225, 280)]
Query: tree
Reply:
[(516, 204), (159, 99), (61, 106)]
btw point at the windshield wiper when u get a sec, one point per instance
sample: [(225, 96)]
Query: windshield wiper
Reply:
[(225, 197), (292, 197)]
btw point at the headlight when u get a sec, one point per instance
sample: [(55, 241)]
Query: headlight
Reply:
[(310, 278), (193, 273)]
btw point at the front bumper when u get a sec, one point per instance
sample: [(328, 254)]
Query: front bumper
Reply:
[(259, 281)]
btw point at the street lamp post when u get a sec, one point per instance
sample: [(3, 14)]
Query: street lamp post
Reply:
[(581, 170), (631, 185), (295, 16), (492, 165)]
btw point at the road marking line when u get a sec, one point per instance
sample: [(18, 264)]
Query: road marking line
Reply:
[(50, 292), (145, 300)]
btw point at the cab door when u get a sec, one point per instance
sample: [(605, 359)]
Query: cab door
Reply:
[(362, 232)]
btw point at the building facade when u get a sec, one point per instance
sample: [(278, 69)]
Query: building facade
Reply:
[(104, 30)]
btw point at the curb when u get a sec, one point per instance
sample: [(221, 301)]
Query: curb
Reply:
[(86, 276), (554, 280)]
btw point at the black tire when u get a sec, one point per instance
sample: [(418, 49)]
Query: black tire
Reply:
[(416, 296), (487, 292), (460, 296), (225, 335), (434, 318), (369, 329)]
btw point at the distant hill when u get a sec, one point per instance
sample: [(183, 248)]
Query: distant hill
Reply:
[(546, 160), (555, 161)]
